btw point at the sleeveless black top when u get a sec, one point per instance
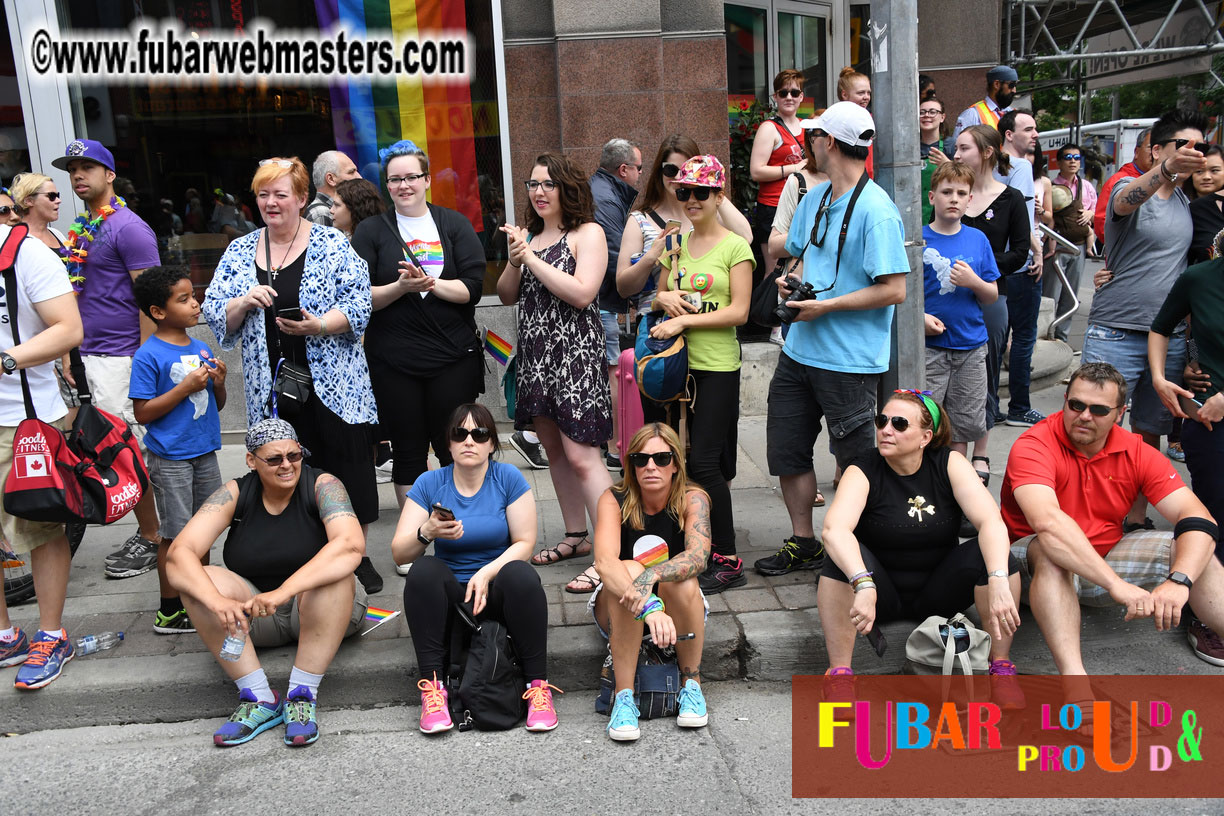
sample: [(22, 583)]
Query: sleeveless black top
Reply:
[(266, 549), (660, 538)]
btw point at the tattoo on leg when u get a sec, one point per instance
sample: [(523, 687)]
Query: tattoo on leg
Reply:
[(690, 673)]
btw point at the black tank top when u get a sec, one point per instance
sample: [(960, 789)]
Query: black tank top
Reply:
[(288, 285), (266, 549), (660, 538)]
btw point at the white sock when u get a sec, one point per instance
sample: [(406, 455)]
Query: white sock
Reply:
[(531, 437), (55, 633), (297, 677), (9, 635), (257, 682)]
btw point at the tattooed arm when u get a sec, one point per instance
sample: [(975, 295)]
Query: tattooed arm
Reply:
[(1185, 160), (692, 561), (183, 562)]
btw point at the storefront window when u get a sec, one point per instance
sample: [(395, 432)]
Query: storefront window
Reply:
[(14, 152), (184, 143), (747, 55)]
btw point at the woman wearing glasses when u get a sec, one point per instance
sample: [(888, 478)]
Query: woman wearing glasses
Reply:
[(651, 543), (777, 152), (557, 262), (39, 203), (637, 266), (9, 214), (297, 297), (292, 546), (426, 274), (704, 289), (480, 517), (894, 553)]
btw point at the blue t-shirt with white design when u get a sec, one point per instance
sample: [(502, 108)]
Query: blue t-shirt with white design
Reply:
[(193, 427), (956, 306)]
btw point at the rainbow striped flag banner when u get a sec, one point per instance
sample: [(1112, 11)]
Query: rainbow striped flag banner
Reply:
[(373, 613), (498, 349)]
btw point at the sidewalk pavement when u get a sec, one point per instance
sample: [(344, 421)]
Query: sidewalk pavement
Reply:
[(767, 630)]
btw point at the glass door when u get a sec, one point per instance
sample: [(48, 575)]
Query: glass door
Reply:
[(804, 43)]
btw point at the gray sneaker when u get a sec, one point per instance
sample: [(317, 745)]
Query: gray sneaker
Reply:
[(531, 451), (138, 556)]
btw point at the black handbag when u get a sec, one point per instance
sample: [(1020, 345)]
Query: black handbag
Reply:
[(292, 383), (764, 300)]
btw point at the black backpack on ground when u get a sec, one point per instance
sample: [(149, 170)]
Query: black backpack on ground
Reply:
[(484, 680)]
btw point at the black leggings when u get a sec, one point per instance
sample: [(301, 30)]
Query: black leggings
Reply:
[(713, 439), (945, 590), (516, 599), (413, 412)]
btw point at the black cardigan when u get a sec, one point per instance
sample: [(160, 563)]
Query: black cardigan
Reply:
[(1007, 229), (415, 335)]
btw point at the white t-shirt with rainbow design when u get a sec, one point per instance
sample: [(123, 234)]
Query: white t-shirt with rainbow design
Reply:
[(421, 236)]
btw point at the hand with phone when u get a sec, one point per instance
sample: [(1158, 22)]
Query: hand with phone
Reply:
[(297, 322), (442, 524)]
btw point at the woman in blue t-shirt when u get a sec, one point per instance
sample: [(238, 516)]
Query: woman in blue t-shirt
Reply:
[(480, 516)]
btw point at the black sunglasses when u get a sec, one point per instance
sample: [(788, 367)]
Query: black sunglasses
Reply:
[(53, 196), (670, 170), (478, 434), (1201, 147), (793, 93), (899, 423), (279, 459), (699, 193), (5, 210), (1097, 410), (661, 459)]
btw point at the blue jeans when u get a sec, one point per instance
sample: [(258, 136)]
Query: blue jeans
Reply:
[(1023, 303), (1126, 350)]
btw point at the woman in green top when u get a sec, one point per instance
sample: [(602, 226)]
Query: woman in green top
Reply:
[(704, 289)]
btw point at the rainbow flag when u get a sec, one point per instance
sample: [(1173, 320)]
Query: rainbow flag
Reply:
[(650, 550), (373, 613), (498, 348)]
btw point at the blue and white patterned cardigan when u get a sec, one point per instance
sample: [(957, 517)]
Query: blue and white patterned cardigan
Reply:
[(335, 278)]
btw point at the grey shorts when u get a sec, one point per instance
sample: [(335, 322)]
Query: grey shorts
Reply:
[(1143, 558), (799, 397), (180, 486), (611, 325), (957, 381), (285, 626)]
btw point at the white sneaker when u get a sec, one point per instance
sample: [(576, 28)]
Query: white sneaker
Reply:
[(382, 473), (402, 569), (775, 336)]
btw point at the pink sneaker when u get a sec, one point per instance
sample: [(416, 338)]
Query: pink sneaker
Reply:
[(541, 716), (435, 714), (1005, 690)]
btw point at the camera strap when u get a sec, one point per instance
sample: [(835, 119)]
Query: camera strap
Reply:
[(841, 238)]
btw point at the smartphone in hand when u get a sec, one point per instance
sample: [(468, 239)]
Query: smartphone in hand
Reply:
[(291, 313), (444, 513)]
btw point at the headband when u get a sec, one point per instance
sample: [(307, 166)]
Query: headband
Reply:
[(268, 430), (931, 407)]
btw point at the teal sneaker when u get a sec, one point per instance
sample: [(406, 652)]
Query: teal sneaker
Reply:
[(16, 651), (692, 706), (301, 724), (623, 723), (249, 720)]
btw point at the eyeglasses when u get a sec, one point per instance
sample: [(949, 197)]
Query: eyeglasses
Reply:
[(548, 184), (5, 209), (478, 434), (1096, 410), (52, 196), (396, 181), (900, 424), (930, 112), (278, 162), (670, 170), (661, 459), (1071, 157), (637, 167), (278, 459), (1178, 144), (699, 193), (793, 93)]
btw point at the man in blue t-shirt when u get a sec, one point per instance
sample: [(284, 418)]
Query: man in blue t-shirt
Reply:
[(839, 341), (959, 271), (177, 388)]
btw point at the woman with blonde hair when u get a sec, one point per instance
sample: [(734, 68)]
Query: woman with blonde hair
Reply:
[(652, 540), (39, 203)]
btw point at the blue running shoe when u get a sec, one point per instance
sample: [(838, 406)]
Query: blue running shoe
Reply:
[(249, 720), (692, 706), (15, 651), (623, 723), (45, 661), (301, 725)]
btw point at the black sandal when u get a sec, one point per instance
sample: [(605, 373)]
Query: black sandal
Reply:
[(984, 475), (554, 555)]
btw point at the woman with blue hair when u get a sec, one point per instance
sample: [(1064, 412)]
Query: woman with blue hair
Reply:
[(426, 275)]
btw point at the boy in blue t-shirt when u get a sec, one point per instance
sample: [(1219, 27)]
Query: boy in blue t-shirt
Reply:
[(177, 389), (959, 271)]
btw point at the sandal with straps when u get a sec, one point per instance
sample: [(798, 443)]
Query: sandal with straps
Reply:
[(984, 475), (584, 582), (554, 555)]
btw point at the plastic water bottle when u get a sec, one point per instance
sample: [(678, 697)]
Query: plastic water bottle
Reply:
[(96, 643), (232, 648), (959, 634)]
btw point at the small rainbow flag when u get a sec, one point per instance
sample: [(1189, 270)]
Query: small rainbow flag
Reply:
[(498, 348), (373, 613)]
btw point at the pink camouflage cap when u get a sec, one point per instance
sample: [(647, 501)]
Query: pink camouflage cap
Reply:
[(702, 171)]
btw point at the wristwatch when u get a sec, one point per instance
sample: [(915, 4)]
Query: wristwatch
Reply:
[(1181, 578), (8, 362), (421, 538), (997, 574)]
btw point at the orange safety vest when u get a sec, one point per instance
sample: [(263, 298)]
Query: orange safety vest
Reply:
[(985, 114)]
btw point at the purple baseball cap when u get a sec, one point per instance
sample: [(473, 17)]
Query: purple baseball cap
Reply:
[(85, 149)]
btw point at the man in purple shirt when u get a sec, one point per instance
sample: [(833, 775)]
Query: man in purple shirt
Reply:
[(122, 247)]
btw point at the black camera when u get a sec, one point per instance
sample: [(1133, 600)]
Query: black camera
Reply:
[(800, 290)]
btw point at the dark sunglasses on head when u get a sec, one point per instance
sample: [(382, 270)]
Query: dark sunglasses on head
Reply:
[(1201, 147), (661, 459), (699, 193), (279, 459), (1097, 410), (670, 170), (899, 423), (793, 93), (478, 434), (1071, 157), (5, 210)]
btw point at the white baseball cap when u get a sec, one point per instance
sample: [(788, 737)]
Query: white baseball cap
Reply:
[(846, 122)]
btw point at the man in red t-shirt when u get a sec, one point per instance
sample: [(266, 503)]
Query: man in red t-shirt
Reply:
[(1070, 481)]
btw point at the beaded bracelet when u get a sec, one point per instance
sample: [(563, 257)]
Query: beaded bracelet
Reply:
[(859, 587), (862, 577), (653, 604)]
